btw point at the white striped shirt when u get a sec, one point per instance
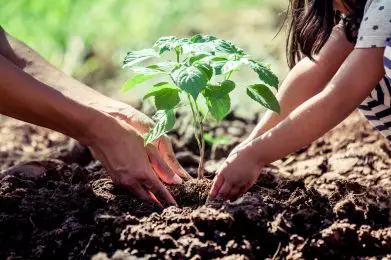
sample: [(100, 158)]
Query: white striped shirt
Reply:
[(375, 32)]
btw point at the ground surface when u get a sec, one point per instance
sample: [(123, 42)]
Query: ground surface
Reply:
[(328, 200)]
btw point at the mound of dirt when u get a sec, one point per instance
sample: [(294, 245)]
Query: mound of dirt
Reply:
[(331, 199)]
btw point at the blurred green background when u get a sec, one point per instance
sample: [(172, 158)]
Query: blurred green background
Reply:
[(88, 38)]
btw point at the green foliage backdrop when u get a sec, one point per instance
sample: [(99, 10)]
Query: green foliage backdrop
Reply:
[(47, 25)]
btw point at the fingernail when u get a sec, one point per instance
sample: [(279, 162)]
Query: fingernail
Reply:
[(177, 180), (184, 173)]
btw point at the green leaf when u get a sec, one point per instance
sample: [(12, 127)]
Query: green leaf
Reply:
[(263, 95), (264, 73), (135, 57), (228, 85), (218, 91), (136, 80), (166, 65), (161, 87), (231, 65), (217, 140), (202, 47), (199, 44), (166, 96), (164, 121), (202, 38), (198, 57), (156, 67), (167, 43), (217, 98), (150, 70), (217, 65), (227, 47), (210, 44), (218, 107), (211, 58), (205, 68), (170, 43), (161, 84), (190, 79)]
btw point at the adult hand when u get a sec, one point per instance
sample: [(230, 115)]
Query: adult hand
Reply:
[(119, 146), (142, 123), (237, 174)]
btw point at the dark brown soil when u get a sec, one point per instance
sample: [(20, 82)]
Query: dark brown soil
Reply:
[(329, 200)]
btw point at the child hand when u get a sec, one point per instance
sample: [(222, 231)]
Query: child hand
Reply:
[(238, 173)]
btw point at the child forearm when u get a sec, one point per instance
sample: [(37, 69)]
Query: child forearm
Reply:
[(307, 79), (351, 85), (304, 81)]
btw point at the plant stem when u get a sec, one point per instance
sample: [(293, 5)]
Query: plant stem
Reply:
[(194, 120), (199, 135), (202, 148), (177, 56), (228, 76)]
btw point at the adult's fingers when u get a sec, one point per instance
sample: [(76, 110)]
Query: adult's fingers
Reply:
[(140, 192), (161, 193), (154, 199), (160, 167), (165, 148), (217, 183), (176, 167)]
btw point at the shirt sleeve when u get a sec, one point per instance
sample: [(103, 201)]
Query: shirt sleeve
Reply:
[(375, 28)]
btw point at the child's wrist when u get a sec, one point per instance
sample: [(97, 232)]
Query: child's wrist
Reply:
[(253, 153)]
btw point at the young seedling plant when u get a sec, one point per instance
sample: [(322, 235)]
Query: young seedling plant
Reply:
[(200, 72)]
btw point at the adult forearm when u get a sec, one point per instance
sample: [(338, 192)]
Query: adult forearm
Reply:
[(33, 64), (25, 98)]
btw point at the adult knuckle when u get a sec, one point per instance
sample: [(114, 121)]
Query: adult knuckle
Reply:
[(148, 183), (143, 179)]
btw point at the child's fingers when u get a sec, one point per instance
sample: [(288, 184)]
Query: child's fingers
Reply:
[(217, 183), (243, 190), (225, 191), (234, 193)]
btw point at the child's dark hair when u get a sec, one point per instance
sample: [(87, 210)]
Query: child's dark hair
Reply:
[(311, 23)]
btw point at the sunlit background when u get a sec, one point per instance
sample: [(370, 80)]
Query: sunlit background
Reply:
[(88, 38)]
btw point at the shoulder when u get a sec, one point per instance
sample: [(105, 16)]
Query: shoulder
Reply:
[(375, 28), (371, 4)]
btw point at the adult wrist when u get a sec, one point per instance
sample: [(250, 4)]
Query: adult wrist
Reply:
[(94, 125)]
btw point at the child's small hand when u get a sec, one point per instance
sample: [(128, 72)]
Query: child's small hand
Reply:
[(238, 173)]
